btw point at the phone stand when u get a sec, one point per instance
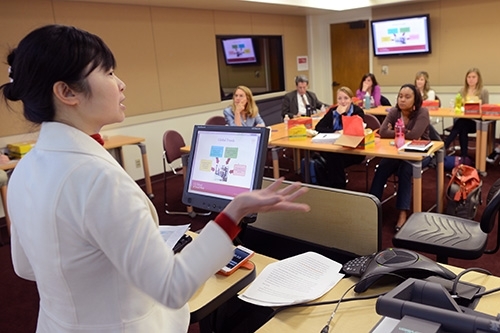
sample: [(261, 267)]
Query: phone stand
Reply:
[(431, 302)]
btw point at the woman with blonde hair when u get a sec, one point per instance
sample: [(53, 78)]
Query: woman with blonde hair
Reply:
[(472, 91), (423, 85), (243, 111)]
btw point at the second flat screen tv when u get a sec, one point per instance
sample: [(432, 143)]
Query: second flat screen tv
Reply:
[(401, 36), (239, 51)]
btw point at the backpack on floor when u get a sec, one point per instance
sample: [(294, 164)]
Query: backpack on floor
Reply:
[(317, 169), (463, 193)]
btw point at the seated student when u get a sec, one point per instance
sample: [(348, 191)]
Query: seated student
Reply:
[(472, 91), (369, 84), (332, 122), (300, 102), (424, 87), (243, 111), (417, 121)]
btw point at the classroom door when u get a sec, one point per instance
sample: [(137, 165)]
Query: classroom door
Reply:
[(350, 54)]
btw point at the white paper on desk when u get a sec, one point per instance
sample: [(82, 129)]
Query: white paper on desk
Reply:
[(297, 279), (172, 233)]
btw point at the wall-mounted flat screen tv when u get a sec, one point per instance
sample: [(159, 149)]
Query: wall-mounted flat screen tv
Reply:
[(239, 51), (401, 36)]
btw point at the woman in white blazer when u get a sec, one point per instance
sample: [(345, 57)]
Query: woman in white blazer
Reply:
[(81, 227)]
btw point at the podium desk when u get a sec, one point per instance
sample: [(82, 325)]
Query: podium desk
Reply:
[(219, 288), (360, 316)]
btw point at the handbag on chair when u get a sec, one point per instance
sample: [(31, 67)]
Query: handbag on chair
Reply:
[(464, 192)]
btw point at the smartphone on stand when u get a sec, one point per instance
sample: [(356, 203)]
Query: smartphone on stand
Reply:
[(240, 257)]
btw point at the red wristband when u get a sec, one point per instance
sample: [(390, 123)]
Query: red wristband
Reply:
[(228, 225)]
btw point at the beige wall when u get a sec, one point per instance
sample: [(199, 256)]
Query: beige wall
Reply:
[(464, 34), (166, 56)]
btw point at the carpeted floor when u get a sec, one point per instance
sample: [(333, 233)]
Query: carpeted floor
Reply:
[(19, 298)]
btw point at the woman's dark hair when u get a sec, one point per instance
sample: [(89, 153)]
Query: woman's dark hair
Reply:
[(47, 55), (417, 102), (374, 80)]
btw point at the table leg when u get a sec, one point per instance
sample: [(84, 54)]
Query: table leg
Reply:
[(417, 186), (306, 171), (296, 160), (481, 145), (440, 180), (145, 166), (276, 163)]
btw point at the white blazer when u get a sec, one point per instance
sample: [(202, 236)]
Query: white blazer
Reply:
[(87, 234)]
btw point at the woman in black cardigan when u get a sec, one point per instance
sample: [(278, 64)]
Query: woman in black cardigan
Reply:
[(332, 122)]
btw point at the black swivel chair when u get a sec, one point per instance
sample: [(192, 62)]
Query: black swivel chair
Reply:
[(450, 236), (384, 101)]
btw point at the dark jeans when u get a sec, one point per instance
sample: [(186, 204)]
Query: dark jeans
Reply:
[(461, 127), (336, 163), (404, 172)]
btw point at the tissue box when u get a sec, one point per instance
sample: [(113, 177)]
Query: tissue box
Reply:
[(490, 109), (353, 141), (20, 148), (431, 105), (297, 128), (472, 108)]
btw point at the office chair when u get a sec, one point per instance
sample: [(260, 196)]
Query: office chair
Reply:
[(216, 120), (384, 101), (172, 144), (450, 236)]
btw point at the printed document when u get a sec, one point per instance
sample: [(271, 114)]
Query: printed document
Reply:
[(294, 280), (172, 233)]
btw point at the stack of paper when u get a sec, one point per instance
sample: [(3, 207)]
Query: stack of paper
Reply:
[(325, 138), (294, 280), (172, 233)]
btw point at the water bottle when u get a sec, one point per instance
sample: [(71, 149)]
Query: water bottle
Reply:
[(285, 120), (399, 129), (367, 101)]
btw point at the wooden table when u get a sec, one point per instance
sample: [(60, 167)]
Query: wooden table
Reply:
[(481, 129), (116, 142), (384, 149)]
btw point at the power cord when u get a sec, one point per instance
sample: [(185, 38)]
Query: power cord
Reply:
[(462, 273), (326, 328)]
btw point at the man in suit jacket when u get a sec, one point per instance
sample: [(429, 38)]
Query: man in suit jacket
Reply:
[(300, 102)]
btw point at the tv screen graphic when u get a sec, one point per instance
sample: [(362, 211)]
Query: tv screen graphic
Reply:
[(239, 51), (400, 36)]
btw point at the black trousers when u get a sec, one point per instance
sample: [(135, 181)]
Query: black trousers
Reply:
[(336, 164)]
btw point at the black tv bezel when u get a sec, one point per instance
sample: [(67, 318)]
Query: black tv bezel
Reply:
[(211, 202), (254, 45), (428, 27)]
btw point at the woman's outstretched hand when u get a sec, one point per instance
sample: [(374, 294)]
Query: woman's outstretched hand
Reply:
[(269, 199)]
